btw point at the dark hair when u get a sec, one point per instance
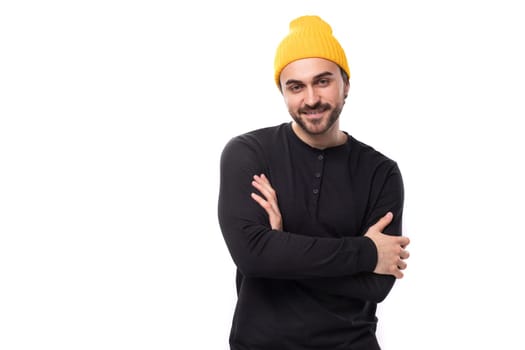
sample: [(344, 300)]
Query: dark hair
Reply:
[(345, 76)]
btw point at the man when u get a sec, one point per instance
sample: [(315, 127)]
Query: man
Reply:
[(310, 215)]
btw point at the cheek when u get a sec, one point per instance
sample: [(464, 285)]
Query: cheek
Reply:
[(292, 101)]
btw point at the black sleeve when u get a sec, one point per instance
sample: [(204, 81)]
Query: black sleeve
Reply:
[(259, 251), (369, 286)]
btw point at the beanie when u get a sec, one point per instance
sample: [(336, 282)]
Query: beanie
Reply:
[(309, 37)]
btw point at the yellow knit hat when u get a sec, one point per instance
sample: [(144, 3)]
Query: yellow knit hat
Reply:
[(309, 37)]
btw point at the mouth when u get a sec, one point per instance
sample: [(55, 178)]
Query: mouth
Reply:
[(314, 113)]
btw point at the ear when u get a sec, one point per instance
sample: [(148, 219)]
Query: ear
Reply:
[(347, 88)]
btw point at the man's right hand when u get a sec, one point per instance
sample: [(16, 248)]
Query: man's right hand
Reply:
[(391, 251)]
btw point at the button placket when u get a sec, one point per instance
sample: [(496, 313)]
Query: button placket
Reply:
[(317, 175)]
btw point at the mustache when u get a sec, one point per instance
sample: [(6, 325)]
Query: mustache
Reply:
[(317, 106)]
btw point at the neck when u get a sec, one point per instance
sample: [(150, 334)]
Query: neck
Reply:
[(331, 138)]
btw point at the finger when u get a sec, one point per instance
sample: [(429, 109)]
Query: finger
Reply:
[(396, 272), (383, 222), (263, 203), (265, 188), (268, 193), (261, 183), (274, 216), (404, 254), (269, 206), (263, 180), (402, 265)]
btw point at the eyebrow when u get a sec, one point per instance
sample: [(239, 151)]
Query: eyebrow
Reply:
[(318, 76)]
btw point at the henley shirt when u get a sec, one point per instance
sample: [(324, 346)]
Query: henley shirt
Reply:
[(311, 285)]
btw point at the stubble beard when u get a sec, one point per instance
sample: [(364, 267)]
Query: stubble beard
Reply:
[(316, 127)]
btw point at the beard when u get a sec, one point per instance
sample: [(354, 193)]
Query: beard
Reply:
[(319, 126)]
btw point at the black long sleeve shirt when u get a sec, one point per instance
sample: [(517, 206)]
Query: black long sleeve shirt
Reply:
[(310, 286)]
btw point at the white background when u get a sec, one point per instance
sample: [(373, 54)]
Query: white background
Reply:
[(113, 115)]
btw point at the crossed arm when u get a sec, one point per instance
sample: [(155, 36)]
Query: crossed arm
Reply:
[(391, 253), (342, 265), (391, 249)]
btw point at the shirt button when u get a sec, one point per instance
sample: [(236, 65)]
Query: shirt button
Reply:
[(317, 175), (320, 157), (315, 191)]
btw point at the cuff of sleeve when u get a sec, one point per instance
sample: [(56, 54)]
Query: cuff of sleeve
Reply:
[(367, 258)]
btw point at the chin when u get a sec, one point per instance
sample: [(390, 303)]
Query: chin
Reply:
[(315, 128)]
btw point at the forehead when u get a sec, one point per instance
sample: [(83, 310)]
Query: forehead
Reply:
[(307, 68)]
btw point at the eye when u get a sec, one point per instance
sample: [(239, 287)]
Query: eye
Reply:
[(295, 87), (323, 82)]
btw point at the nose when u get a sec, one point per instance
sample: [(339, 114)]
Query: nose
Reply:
[(311, 97)]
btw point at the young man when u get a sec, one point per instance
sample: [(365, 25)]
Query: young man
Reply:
[(310, 215)]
